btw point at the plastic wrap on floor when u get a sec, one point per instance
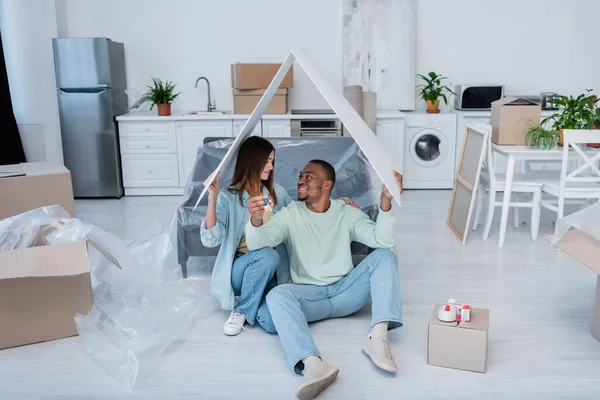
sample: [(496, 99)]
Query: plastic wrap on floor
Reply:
[(141, 303)]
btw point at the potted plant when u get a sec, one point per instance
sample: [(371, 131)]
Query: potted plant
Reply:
[(575, 113), (161, 95), (540, 137), (432, 90)]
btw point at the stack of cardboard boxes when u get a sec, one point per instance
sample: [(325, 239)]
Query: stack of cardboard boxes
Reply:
[(249, 83), (42, 286)]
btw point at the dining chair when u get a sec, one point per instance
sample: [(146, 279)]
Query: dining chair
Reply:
[(492, 183), (583, 183)]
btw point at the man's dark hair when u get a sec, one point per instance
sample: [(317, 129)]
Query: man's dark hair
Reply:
[(328, 169)]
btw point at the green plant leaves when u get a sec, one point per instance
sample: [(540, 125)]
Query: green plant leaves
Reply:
[(161, 93), (433, 88)]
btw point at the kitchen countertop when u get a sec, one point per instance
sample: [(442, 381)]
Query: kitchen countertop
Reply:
[(485, 113), (144, 116)]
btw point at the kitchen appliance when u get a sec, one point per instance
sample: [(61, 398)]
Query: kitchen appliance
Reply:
[(316, 123), (472, 97), (430, 150), (91, 83)]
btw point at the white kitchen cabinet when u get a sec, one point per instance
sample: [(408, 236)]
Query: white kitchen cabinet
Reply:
[(238, 125), (190, 138), (150, 170), (276, 128), (391, 133)]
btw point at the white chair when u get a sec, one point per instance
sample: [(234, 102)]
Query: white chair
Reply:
[(495, 183), (574, 187)]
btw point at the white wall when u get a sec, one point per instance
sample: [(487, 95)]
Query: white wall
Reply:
[(28, 27), (185, 39), (530, 46)]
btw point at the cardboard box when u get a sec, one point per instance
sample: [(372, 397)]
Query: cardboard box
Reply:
[(511, 118), (258, 76), (42, 288), (40, 184), (585, 248), (245, 101), (460, 345)]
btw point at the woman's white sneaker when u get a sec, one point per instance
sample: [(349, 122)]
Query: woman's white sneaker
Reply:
[(317, 378), (235, 324)]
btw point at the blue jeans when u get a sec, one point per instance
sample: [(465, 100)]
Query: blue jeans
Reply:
[(293, 306), (251, 273)]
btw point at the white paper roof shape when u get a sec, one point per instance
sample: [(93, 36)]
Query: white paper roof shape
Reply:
[(370, 144)]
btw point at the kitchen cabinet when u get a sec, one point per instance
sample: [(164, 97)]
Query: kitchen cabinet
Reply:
[(276, 128), (238, 125), (190, 139)]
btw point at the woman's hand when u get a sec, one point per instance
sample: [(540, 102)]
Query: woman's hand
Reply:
[(256, 208), (349, 202), (213, 189)]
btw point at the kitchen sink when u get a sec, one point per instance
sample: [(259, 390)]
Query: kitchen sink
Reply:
[(206, 112)]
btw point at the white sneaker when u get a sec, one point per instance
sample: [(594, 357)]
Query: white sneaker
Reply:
[(380, 352), (317, 378), (235, 324)]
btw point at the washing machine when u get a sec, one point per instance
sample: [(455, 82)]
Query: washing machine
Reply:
[(430, 150)]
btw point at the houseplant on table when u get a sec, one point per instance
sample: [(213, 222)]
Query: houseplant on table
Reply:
[(432, 90), (540, 137), (161, 95), (575, 113)]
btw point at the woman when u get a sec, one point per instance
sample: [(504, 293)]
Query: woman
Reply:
[(237, 271)]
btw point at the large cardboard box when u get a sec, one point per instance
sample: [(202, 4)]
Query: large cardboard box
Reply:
[(34, 185), (245, 101), (585, 248), (258, 76), (41, 290), (460, 345), (511, 117), (43, 287)]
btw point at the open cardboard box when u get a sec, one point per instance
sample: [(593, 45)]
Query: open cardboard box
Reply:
[(583, 244), (42, 288)]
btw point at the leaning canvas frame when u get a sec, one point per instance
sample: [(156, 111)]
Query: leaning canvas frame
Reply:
[(458, 208), (369, 143)]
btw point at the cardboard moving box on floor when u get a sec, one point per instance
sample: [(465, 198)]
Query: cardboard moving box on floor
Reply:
[(258, 76), (511, 118), (460, 345), (245, 101), (41, 184), (42, 288), (585, 248)]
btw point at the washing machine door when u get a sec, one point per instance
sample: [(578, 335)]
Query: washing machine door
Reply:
[(428, 147)]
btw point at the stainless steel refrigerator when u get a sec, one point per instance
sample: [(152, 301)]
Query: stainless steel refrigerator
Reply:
[(91, 83)]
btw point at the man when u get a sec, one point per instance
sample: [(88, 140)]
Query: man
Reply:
[(317, 232)]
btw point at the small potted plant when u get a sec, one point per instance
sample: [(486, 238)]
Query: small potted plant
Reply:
[(161, 95), (432, 90), (540, 137)]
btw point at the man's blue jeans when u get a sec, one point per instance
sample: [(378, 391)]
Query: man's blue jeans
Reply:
[(291, 306), (251, 275)]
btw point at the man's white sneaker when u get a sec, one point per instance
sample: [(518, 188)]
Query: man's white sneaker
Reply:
[(235, 324), (317, 377), (380, 352)]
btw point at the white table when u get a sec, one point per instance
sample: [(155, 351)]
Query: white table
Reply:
[(522, 153)]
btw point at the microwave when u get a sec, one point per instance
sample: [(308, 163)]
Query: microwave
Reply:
[(470, 97)]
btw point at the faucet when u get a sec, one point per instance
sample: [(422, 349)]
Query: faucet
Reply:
[(210, 107)]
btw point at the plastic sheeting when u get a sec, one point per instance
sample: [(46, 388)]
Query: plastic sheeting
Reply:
[(587, 219), (145, 305)]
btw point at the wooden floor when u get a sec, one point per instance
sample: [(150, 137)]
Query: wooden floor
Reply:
[(540, 346)]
